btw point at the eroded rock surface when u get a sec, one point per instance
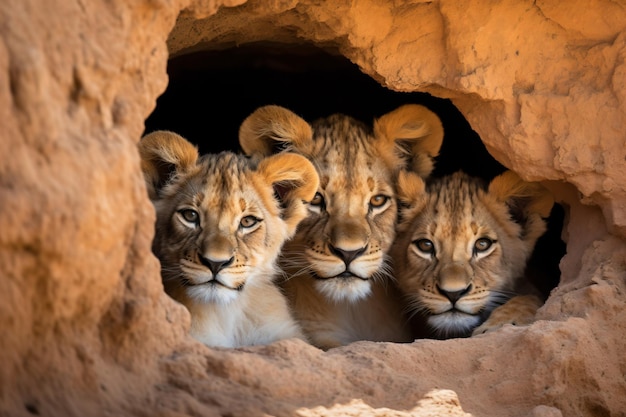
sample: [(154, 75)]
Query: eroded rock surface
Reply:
[(87, 329)]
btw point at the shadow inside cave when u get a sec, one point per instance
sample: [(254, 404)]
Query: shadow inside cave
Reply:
[(211, 92)]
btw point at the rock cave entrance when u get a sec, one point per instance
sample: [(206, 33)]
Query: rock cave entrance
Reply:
[(87, 327), (210, 92)]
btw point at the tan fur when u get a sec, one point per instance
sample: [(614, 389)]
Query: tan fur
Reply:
[(160, 152), (457, 285), (417, 125), (518, 311), (340, 287), (219, 231)]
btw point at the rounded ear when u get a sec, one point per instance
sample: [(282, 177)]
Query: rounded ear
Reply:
[(270, 129), (410, 136), (410, 188), (163, 154), (528, 202), (295, 181), (411, 194), (529, 197)]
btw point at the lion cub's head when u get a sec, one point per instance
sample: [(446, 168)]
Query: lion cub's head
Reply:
[(462, 246), (221, 219), (342, 244)]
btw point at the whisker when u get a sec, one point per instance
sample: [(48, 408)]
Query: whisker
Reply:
[(386, 270), (418, 308), (172, 274), (303, 271), (383, 278), (501, 297), (508, 293), (295, 264), (413, 306)]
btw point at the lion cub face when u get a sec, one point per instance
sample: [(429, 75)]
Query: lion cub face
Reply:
[(341, 246), (343, 241), (462, 247), (220, 225)]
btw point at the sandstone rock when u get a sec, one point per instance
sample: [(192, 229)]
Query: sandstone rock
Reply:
[(87, 329)]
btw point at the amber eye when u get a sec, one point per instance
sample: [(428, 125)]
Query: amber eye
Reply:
[(425, 245), (249, 221), (190, 215), (482, 244), (378, 200), (318, 201)]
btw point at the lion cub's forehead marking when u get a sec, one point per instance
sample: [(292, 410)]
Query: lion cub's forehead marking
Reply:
[(224, 179), (455, 203), (344, 154)]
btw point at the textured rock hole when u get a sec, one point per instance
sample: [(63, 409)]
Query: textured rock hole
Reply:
[(211, 92)]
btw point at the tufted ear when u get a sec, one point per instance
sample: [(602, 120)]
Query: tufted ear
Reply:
[(410, 136), (528, 202), (294, 180), (270, 129), (163, 154)]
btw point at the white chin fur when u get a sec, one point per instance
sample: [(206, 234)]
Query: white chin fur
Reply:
[(344, 289), (209, 294), (454, 324)]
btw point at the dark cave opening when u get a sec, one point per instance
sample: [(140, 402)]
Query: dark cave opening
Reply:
[(211, 92)]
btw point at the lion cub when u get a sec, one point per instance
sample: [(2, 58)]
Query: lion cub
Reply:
[(339, 283), (462, 249), (221, 222)]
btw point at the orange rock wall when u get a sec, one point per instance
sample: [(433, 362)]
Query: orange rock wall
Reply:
[(86, 327)]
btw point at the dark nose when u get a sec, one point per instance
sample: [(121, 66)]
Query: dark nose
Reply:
[(346, 256), (454, 296), (216, 266)]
